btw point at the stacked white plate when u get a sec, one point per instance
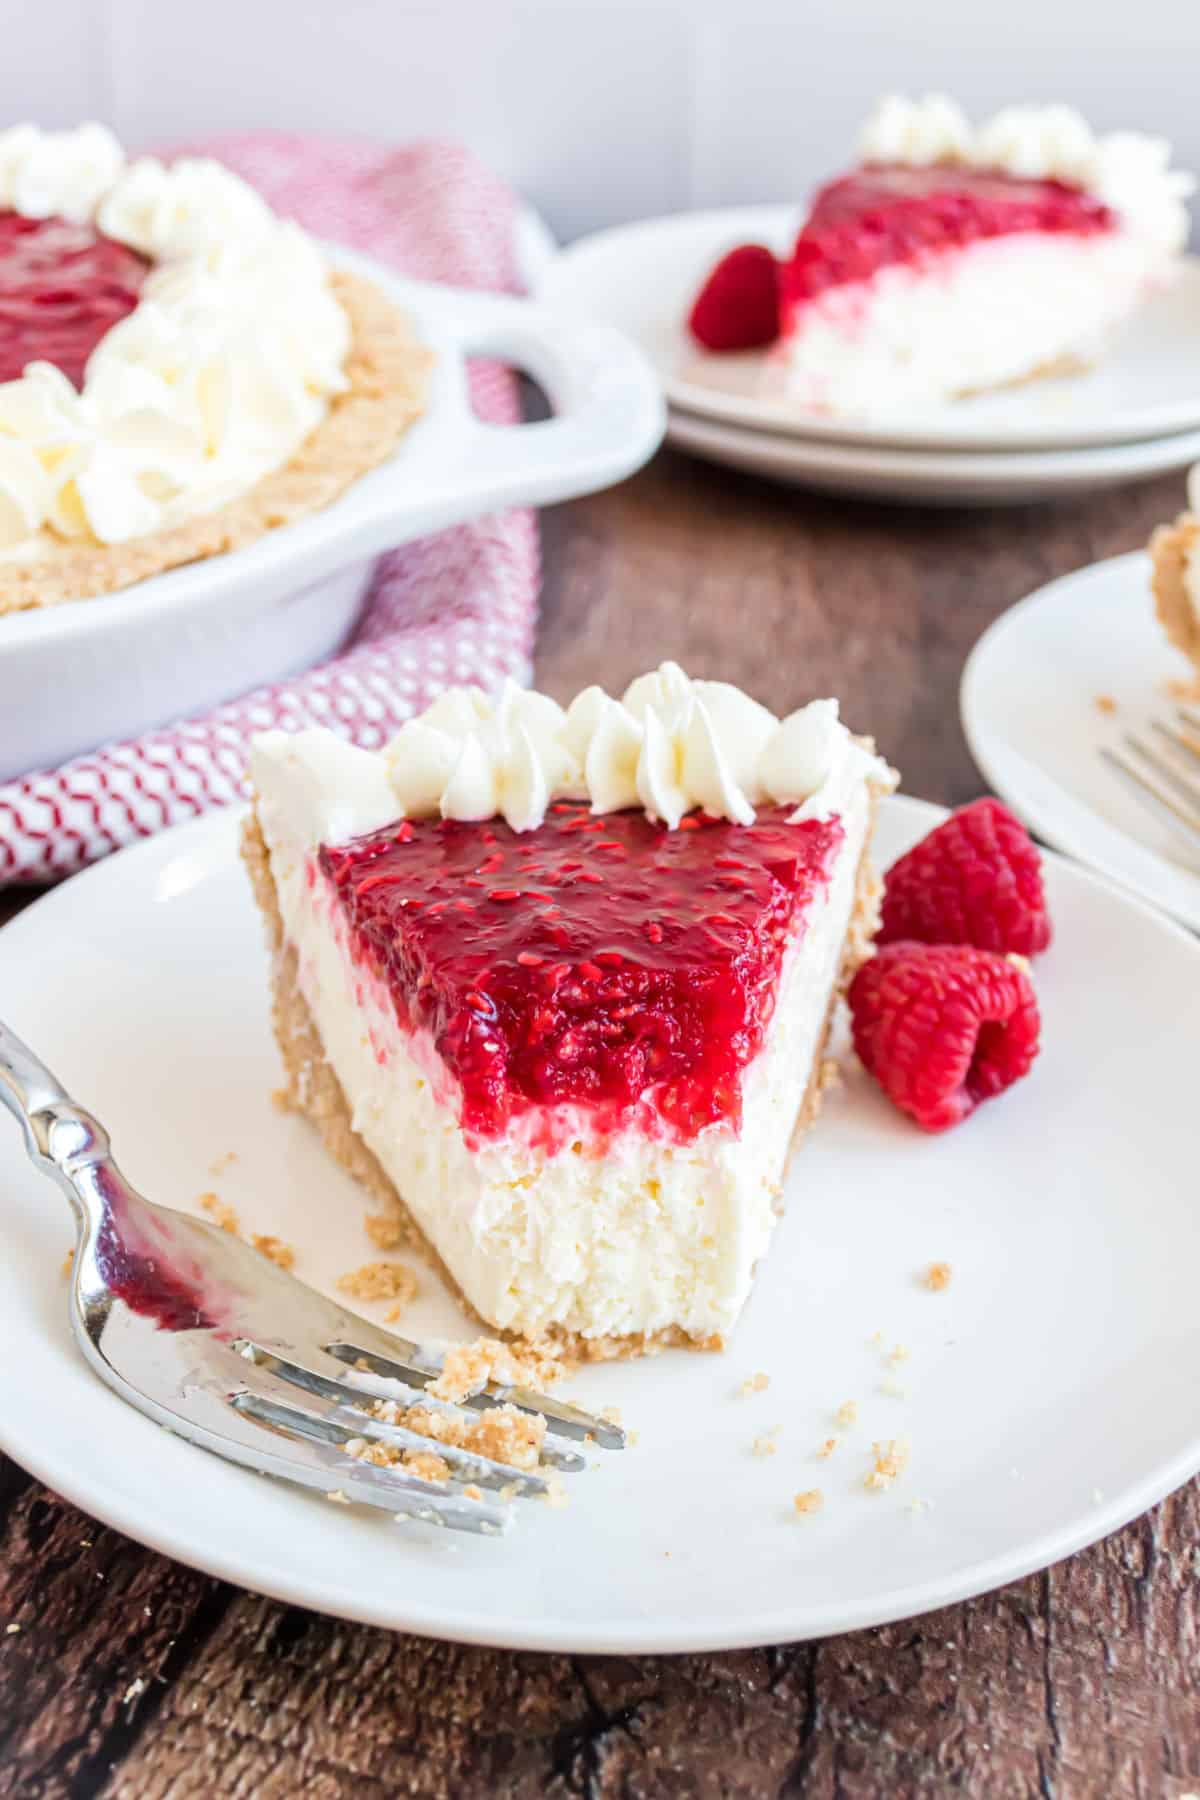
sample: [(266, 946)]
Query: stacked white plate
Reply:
[(1137, 414)]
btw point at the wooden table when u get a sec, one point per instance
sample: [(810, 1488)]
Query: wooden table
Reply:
[(130, 1675)]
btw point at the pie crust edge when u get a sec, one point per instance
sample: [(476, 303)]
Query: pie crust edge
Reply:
[(387, 372)]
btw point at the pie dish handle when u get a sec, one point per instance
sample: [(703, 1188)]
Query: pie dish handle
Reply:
[(609, 413)]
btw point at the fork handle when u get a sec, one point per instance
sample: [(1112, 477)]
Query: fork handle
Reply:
[(59, 1135), (26, 1084)]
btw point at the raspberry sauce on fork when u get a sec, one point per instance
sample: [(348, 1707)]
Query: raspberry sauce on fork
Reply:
[(605, 962)]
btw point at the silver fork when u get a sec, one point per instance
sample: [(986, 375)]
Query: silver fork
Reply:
[(213, 1341), (1165, 775)]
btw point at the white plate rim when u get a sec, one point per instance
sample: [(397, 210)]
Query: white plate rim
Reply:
[(772, 221), (1148, 456), (139, 1521), (1042, 819)]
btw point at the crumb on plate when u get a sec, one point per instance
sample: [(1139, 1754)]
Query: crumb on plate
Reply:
[(1105, 703), (810, 1501), (379, 1281), (889, 1461), (219, 1213), (937, 1277), (274, 1249), (754, 1384), (847, 1413)]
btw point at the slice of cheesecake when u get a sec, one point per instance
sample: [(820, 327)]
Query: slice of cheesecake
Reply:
[(558, 985), (954, 259), (1175, 553)]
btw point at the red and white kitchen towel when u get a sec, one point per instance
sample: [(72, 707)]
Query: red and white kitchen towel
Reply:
[(459, 606)]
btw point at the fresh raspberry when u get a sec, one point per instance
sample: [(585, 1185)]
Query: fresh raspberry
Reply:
[(738, 306), (942, 1027), (977, 879)]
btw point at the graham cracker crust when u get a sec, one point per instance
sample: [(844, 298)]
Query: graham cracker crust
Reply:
[(1170, 547), (1055, 368), (313, 1089), (387, 371)]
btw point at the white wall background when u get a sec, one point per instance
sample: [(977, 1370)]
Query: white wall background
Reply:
[(601, 110)]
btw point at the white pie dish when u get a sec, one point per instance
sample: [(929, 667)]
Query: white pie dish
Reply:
[(1047, 1397), (78, 675)]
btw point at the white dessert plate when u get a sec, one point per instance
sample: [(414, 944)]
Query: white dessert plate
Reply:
[(929, 477), (1048, 1394), (78, 675), (1029, 709), (644, 277)]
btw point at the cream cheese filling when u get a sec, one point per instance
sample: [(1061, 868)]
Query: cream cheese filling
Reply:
[(962, 321)]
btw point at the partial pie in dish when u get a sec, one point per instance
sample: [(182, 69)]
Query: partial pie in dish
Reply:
[(557, 986), (180, 370), (1175, 553), (954, 259)]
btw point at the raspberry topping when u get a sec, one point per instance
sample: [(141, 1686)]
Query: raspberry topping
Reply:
[(738, 306), (607, 961), (976, 879), (62, 286), (942, 1027), (885, 213)]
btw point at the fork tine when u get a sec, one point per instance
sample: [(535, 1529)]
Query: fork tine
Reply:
[(317, 1460), (1182, 783), (352, 1421), (1187, 746), (1186, 824), (353, 1393), (338, 1432), (419, 1370), (1189, 737)]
